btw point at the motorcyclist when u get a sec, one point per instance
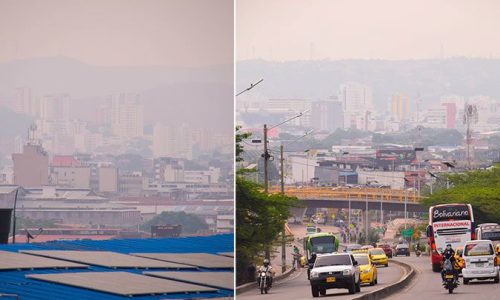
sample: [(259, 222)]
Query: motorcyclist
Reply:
[(448, 254), (266, 267), (310, 263)]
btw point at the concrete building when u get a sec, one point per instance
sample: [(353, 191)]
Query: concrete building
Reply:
[(394, 179), (173, 141), (225, 223), (291, 107), (25, 103), (127, 115), (54, 114), (31, 168), (209, 176), (400, 107), (74, 206), (356, 100), (131, 184), (71, 177), (108, 179), (327, 115)]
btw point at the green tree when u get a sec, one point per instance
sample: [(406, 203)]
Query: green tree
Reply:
[(190, 223), (259, 218), (480, 188)]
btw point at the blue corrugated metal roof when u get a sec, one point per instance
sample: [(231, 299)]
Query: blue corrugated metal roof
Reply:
[(15, 282)]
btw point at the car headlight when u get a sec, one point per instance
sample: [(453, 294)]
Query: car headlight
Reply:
[(346, 272), (314, 274)]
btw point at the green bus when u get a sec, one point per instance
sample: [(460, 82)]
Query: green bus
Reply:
[(323, 242)]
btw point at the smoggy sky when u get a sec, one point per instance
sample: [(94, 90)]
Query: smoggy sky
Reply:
[(283, 30), (119, 32)]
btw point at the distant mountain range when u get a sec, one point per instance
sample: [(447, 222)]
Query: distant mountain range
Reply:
[(201, 97), (318, 80)]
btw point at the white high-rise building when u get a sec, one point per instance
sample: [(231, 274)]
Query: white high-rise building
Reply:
[(54, 114), (174, 142), (25, 103), (127, 115), (356, 101)]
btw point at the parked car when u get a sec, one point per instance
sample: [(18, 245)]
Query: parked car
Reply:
[(480, 261), (335, 271), (402, 249)]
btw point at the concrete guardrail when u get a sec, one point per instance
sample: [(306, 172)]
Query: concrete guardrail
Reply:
[(392, 288)]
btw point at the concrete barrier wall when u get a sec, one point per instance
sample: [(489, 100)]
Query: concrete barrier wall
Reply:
[(391, 289)]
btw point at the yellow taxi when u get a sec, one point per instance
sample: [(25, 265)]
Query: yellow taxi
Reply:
[(459, 260), (367, 270), (378, 257), (497, 251)]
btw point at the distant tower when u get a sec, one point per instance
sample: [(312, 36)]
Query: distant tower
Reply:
[(470, 117)]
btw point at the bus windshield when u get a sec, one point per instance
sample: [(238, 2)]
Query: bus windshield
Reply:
[(323, 244)]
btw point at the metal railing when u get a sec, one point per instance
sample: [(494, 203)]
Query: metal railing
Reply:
[(373, 194)]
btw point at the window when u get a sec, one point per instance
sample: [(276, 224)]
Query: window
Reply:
[(478, 249)]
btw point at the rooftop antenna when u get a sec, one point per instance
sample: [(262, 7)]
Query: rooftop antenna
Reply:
[(470, 117)]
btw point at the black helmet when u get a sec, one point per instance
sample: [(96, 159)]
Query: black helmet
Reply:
[(266, 262)]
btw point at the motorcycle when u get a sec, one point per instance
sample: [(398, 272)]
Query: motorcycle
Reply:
[(263, 282), (450, 279), (309, 268), (418, 253)]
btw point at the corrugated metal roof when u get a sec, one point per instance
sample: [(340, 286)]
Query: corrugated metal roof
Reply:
[(14, 282)]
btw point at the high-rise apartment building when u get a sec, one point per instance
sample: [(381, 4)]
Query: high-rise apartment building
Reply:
[(127, 115), (173, 141), (327, 115), (25, 103), (356, 100), (54, 114), (400, 107)]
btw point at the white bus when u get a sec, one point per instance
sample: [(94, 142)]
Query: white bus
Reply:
[(489, 231), (448, 224)]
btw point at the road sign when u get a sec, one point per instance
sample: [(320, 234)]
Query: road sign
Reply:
[(407, 232)]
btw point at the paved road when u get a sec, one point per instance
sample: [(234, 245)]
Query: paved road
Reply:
[(427, 285), (297, 286)]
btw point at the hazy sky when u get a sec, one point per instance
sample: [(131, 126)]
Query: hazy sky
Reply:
[(284, 30), (119, 32)]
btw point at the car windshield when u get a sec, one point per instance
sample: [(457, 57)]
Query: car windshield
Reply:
[(377, 252), (332, 260), (401, 246), (361, 259), (478, 249)]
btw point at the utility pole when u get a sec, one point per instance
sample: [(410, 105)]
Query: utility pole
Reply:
[(266, 158), (283, 242), (366, 219), (14, 219), (406, 200)]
